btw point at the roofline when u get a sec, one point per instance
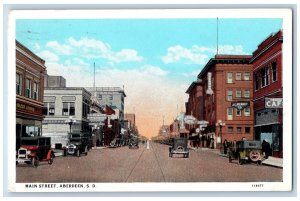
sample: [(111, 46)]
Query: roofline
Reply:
[(224, 59), (193, 84)]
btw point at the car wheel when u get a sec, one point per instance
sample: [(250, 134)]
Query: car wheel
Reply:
[(230, 159), (86, 151), (77, 153), (17, 162), (171, 155), (35, 161), (50, 161), (259, 162)]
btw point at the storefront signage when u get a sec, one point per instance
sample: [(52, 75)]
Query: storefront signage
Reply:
[(240, 105), (273, 102), (27, 108)]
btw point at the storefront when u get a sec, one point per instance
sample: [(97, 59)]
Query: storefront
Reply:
[(28, 120)]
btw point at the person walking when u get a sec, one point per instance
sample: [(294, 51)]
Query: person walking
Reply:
[(225, 146)]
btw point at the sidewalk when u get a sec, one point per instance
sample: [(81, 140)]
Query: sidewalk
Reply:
[(271, 161)]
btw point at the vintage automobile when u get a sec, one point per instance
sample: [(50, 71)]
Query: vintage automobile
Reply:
[(179, 146), (35, 149), (134, 142), (246, 151), (78, 144)]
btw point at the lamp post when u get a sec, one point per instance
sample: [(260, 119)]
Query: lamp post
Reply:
[(70, 121), (220, 124)]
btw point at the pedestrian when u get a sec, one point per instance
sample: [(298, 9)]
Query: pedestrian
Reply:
[(225, 146), (266, 148)]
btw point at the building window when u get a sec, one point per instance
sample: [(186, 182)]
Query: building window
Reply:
[(229, 77), (274, 72), (35, 91), (238, 113), (264, 77), (256, 81), (229, 113), (49, 109), (239, 129), (100, 97), (229, 95), (247, 93), (238, 93), (247, 111), (110, 97), (68, 109), (230, 129), (247, 76), (247, 129), (28, 88), (238, 76), (18, 84)]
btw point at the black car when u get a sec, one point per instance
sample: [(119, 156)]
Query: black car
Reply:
[(78, 144), (134, 142), (179, 146)]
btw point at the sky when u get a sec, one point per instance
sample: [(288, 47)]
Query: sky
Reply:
[(155, 59)]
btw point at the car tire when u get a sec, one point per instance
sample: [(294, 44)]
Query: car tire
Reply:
[(86, 151), (35, 161), (50, 161), (259, 162), (65, 152), (77, 153)]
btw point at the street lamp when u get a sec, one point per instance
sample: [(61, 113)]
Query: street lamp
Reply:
[(70, 121), (220, 124)]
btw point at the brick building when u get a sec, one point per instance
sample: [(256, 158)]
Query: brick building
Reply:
[(194, 106), (267, 71), (228, 91), (30, 71)]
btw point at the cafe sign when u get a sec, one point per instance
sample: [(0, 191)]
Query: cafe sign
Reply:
[(273, 102), (240, 105)]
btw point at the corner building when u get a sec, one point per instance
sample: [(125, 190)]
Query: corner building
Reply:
[(267, 71), (30, 72), (227, 82)]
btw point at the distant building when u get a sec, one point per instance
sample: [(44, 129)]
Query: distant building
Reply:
[(30, 72), (59, 105), (130, 118), (267, 71), (194, 106), (54, 81), (111, 96)]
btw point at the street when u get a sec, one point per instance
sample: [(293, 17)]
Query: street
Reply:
[(146, 165)]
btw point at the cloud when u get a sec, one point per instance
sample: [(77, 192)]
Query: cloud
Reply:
[(153, 70), (48, 56), (59, 48), (199, 54), (91, 49)]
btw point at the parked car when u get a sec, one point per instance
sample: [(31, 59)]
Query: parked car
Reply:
[(179, 146), (78, 144), (246, 151), (35, 149), (134, 142)]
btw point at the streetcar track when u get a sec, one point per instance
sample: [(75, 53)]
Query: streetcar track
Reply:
[(158, 163), (135, 165)]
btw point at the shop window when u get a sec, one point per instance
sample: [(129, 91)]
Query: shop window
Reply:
[(18, 84), (229, 95), (274, 72), (239, 129), (247, 111), (110, 97), (229, 113), (238, 93), (247, 93), (247, 76), (28, 88), (31, 128), (100, 97), (247, 129), (238, 76), (229, 78)]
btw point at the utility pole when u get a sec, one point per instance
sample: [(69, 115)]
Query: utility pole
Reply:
[(217, 35)]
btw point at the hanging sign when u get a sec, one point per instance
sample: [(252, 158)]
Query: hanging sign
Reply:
[(240, 105)]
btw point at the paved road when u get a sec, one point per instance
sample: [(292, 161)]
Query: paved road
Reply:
[(146, 165)]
